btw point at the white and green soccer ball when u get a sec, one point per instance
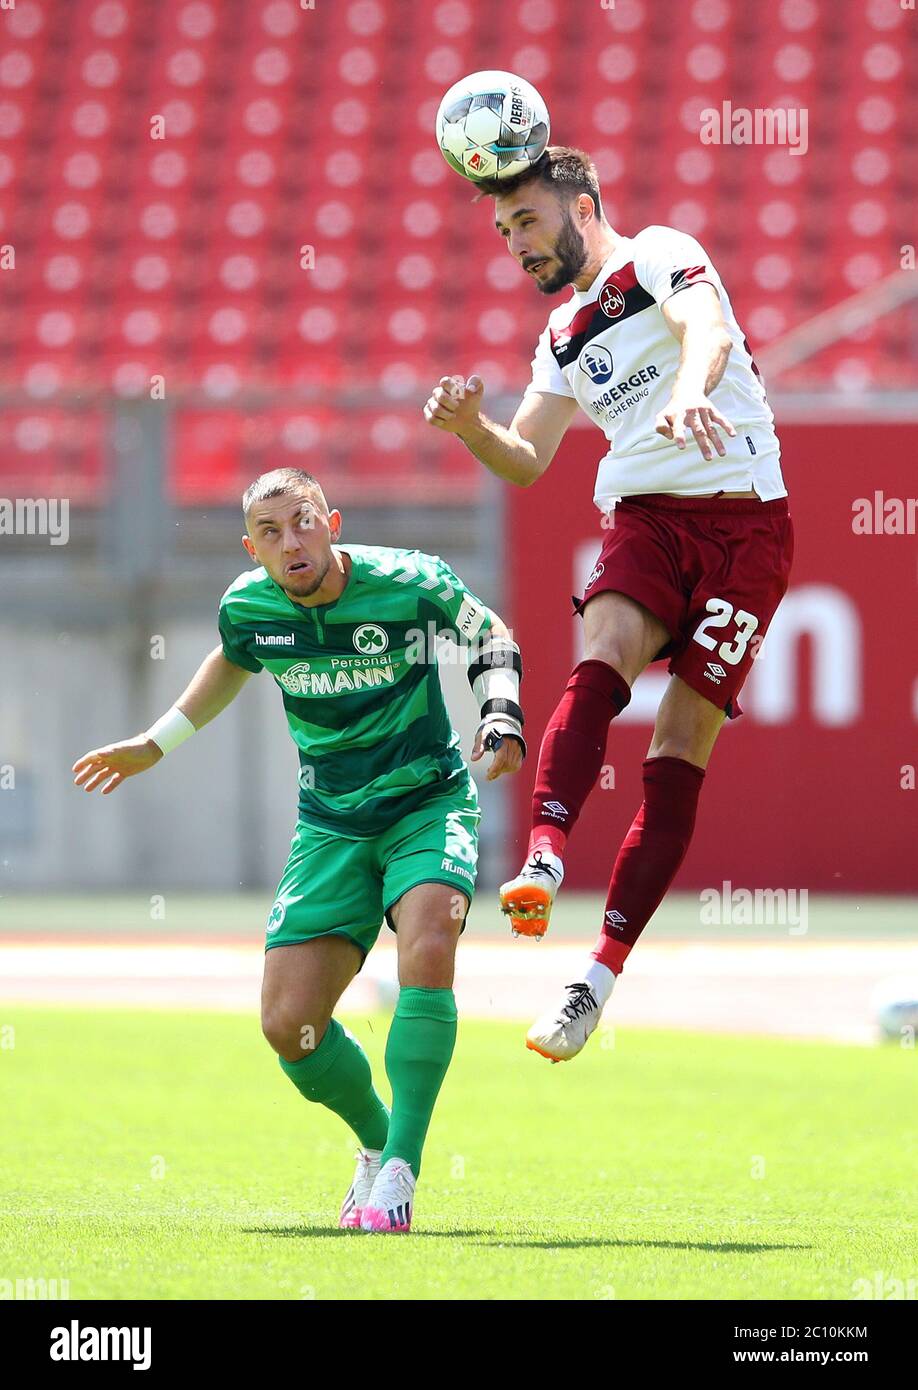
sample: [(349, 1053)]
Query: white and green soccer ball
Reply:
[(895, 1008), (492, 125)]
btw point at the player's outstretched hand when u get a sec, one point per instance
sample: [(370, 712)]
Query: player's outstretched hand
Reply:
[(455, 404), (701, 418), (508, 755), (113, 764)]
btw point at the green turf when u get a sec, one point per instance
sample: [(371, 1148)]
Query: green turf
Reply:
[(630, 1173), (577, 917)]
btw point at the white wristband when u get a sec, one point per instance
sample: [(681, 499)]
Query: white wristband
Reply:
[(171, 730)]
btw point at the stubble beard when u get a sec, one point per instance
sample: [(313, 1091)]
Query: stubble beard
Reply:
[(315, 583), (570, 251)]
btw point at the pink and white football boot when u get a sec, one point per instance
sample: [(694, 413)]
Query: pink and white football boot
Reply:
[(389, 1205)]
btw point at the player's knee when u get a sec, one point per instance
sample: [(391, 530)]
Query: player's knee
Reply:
[(675, 746), (693, 743), (618, 653), (290, 1032), (607, 647), (426, 960)]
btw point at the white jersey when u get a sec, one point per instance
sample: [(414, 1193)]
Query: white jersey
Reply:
[(609, 348)]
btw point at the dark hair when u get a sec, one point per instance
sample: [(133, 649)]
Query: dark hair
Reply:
[(279, 483), (562, 168)]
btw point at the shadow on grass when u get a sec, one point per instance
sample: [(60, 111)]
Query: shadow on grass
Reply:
[(726, 1247)]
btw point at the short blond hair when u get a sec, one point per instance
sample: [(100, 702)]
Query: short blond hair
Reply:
[(280, 482)]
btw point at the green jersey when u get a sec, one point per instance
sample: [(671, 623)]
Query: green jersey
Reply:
[(360, 682)]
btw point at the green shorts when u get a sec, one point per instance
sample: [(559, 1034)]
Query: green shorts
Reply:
[(337, 887)]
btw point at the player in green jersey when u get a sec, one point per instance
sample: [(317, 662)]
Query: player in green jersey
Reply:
[(388, 814)]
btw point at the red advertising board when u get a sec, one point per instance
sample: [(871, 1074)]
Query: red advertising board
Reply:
[(814, 787)]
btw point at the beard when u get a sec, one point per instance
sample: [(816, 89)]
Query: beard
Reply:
[(571, 252), (304, 588)]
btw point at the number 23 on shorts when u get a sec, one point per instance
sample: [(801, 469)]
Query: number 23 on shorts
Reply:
[(720, 615)]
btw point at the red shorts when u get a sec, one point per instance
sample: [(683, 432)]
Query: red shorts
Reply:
[(713, 570)]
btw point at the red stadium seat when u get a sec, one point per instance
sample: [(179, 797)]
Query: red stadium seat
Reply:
[(263, 240)]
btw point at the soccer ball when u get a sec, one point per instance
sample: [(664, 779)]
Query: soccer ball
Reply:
[(492, 125), (895, 1008)]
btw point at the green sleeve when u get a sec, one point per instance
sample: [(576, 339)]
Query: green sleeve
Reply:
[(233, 649), (465, 616)]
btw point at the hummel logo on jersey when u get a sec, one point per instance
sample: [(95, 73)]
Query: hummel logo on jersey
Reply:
[(274, 639), (554, 808), (615, 918), (715, 672)]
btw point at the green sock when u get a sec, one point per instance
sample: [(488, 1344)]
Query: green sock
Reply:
[(418, 1052), (337, 1075)]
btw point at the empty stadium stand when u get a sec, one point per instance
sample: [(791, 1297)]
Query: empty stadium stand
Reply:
[(244, 197)]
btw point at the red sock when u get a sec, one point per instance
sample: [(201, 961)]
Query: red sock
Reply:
[(572, 750), (647, 862)]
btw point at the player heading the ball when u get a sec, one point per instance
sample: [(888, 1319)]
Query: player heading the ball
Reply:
[(648, 347)]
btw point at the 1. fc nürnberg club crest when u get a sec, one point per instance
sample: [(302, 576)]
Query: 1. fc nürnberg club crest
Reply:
[(611, 301)]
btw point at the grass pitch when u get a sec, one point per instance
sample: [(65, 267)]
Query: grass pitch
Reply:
[(164, 1155)]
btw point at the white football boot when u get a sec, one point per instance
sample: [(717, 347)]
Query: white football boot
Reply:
[(390, 1203), (527, 899), (365, 1175), (560, 1034)]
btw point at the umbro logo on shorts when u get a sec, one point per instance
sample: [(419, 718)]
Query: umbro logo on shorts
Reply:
[(615, 918), (554, 808), (715, 672)]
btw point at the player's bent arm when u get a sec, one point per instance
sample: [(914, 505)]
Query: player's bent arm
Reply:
[(695, 319), (542, 420), (521, 453), (214, 685)]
